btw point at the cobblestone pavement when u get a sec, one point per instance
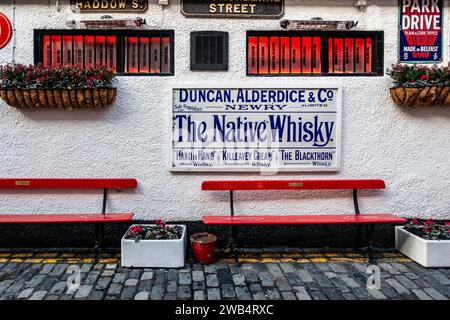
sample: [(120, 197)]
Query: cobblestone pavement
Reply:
[(270, 276)]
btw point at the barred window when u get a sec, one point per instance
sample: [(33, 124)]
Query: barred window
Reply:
[(309, 53), (209, 50), (128, 52)]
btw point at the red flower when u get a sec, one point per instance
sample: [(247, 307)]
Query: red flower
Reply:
[(41, 79), (135, 229), (415, 221), (447, 223), (424, 77), (428, 222), (159, 222)]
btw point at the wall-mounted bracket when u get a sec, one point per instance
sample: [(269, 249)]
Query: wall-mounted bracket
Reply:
[(361, 4)]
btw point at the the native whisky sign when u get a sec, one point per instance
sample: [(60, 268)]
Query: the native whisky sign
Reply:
[(256, 129), (233, 8), (109, 5)]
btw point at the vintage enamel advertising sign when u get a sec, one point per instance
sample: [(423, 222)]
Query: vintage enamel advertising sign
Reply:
[(420, 31), (256, 129), (233, 8), (5, 30)]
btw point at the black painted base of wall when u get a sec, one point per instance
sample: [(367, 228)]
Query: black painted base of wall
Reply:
[(307, 236)]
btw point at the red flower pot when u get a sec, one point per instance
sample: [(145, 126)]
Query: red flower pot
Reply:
[(203, 246)]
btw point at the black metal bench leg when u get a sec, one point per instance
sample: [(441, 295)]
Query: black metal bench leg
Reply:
[(97, 241), (101, 228), (369, 230), (102, 238), (234, 239), (358, 240)]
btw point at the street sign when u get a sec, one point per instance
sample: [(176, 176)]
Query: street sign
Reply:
[(233, 8), (109, 5)]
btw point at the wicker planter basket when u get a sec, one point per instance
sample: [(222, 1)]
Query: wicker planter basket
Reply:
[(422, 96), (59, 98)]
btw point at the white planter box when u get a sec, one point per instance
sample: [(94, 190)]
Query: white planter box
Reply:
[(429, 253), (154, 253)]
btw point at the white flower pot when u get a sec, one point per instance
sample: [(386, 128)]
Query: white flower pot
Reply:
[(429, 253), (154, 253)]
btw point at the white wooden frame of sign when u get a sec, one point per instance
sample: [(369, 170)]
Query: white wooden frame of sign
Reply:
[(271, 170)]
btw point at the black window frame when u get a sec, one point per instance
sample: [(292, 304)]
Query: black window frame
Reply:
[(195, 35), (120, 47), (377, 51)]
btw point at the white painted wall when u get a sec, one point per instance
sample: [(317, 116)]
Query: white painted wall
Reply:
[(407, 148)]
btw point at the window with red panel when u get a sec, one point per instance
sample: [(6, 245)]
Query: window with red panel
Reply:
[(127, 52), (334, 53)]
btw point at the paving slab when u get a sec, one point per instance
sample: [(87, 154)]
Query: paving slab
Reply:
[(321, 275)]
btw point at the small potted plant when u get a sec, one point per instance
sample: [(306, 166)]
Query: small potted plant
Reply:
[(157, 245), (425, 241), (416, 85), (62, 87)]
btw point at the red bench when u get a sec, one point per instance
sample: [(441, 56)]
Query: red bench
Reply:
[(369, 220), (99, 219)]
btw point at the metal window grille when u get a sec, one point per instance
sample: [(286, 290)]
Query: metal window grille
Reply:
[(209, 50), (128, 52), (315, 53)]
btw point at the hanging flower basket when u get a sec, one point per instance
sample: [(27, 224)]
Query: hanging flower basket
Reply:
[(421, 96), (59, 98), (417, 86), (31, 87)]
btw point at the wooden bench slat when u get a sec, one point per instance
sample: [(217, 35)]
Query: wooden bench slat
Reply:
[(292, 184), (65, 218), (67, 183), (304, 219)]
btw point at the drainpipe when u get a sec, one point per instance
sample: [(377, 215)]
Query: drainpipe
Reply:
[(13, 52)]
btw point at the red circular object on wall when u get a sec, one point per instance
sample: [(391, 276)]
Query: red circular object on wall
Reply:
[(5, 30)]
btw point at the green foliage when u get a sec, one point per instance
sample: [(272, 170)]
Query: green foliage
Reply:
[(419, 76), (19, 76)]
